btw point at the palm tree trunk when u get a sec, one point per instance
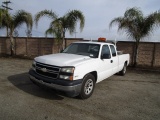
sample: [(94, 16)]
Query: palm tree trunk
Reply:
[(63, 42), (12, 45), (136, 53), (60, 44), (7, 32)]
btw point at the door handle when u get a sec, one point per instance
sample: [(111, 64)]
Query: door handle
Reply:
[(111, 61)]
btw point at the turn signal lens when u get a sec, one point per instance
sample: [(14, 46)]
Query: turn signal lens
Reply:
[(33, 65)]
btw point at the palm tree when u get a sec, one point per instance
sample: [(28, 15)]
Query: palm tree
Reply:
[(57, 32), (3, 15), (15, 21), (137, 26), (62, 24)]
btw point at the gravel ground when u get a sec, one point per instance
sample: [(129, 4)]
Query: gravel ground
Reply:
[(136, 96)]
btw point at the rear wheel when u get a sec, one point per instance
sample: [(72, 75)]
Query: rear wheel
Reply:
[(123, 71), (87, 86)]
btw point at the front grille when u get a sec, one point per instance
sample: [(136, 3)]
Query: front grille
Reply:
[(47, 70)]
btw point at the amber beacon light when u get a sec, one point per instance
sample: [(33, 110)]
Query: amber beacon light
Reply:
[(101, 39)]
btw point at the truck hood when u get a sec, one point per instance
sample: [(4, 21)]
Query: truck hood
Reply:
[(63, 59)]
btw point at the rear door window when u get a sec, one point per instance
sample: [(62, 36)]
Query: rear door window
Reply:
[(113, 50)]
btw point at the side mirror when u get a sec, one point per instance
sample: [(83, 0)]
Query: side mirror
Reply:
[(106, 56)]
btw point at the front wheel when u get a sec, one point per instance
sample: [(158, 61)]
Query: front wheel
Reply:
[(123, 71), (87, 86)]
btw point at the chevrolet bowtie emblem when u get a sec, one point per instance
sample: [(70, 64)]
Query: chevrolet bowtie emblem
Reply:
[(44, 69)]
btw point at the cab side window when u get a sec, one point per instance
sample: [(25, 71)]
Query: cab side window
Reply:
[(113, 50), (105, 51)]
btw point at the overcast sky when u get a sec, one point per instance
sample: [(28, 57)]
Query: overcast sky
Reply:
[(98, 14)]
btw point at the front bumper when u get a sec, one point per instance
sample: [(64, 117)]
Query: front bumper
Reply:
[(73, 87)]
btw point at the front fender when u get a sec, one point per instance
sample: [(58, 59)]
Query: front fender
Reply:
[(83, 69)]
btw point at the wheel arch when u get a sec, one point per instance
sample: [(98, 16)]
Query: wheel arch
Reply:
[(126, 62), (94, 73), (87, 88)]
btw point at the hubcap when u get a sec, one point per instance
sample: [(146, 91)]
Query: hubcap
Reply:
[(88, 86)]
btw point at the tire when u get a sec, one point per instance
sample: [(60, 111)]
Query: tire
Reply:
[(123, 71), (88, 86)]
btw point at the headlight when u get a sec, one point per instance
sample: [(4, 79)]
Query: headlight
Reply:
[(67, 70), (66, 73), (33, 65)]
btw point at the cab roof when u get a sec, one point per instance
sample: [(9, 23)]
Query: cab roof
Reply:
[(96, 42)]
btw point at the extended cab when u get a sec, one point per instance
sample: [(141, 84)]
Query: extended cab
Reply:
[(79, 67)]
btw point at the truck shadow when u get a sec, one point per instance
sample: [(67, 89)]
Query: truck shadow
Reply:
[(23, 82)]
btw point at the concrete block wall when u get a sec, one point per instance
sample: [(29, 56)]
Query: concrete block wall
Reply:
[(148, 56), (145, 55), (126, 47), (157, 55), (3, 46)]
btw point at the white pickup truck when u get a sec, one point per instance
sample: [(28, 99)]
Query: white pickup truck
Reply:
[(77, 68)]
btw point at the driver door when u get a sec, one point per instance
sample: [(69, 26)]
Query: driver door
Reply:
[(105, 66)]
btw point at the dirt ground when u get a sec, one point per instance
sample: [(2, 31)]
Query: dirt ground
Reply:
[(136, 96)]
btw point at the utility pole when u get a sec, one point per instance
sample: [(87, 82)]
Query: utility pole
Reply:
[(0, 17), (5, 5)]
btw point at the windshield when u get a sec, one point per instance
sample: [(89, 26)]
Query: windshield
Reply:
[(91, 50)]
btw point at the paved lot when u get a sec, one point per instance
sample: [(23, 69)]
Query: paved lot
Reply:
[(135, 96)]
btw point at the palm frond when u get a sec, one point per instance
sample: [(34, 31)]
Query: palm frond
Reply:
[(5, 17), (48, 13), (72, 17), (151, 22), (55, 30), (133, 13), (57, 33), (135, 24), (59, 22), (115, 21), (49, 31), (21, 17)]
